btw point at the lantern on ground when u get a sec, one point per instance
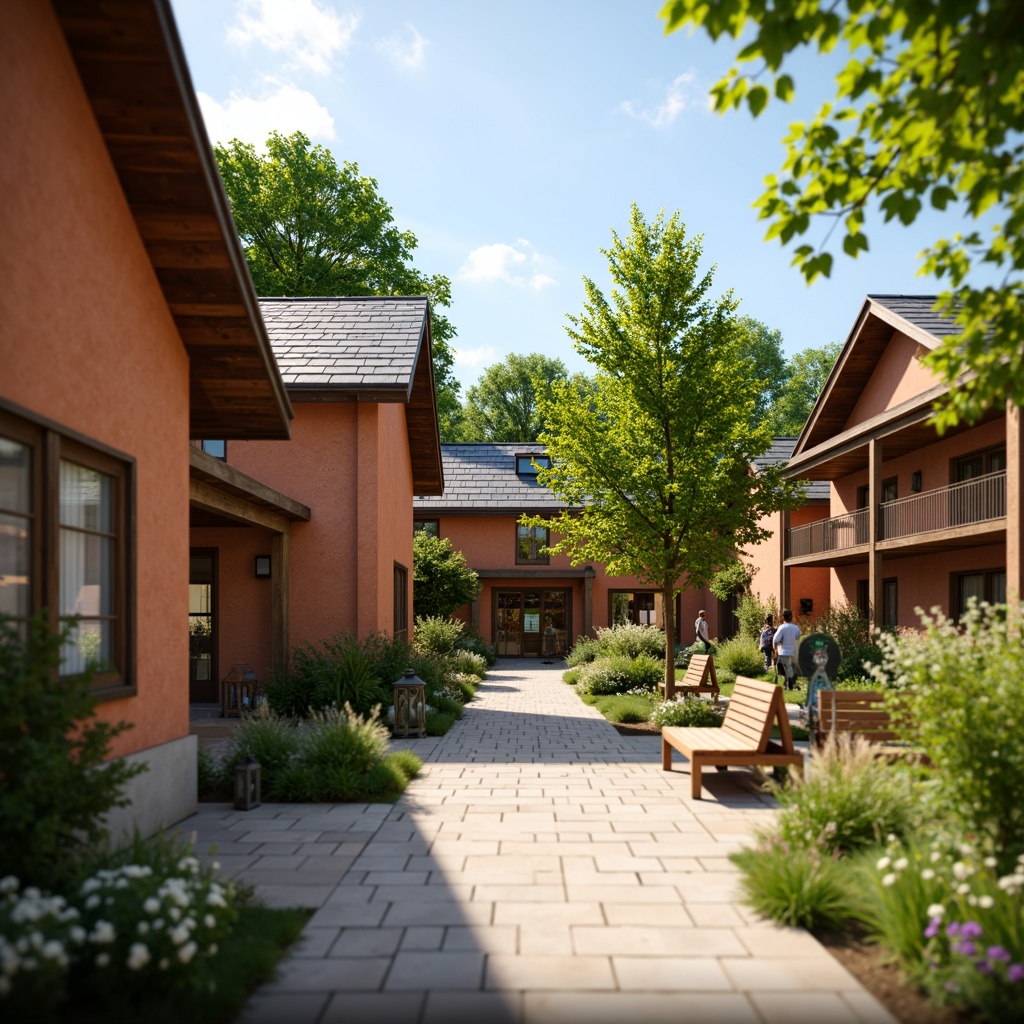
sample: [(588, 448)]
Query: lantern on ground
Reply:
[(410, 699), (238, 691), (248, 784)]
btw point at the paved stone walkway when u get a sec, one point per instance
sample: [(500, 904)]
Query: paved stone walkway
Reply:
[(541, 869)]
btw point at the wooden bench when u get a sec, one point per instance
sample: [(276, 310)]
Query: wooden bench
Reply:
[(699, 678), (744, 738), (859, 713)]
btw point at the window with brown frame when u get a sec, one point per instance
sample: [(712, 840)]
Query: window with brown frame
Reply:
[(65, 513), (401, 626), (983, 585), (431, 527), (532, 545)]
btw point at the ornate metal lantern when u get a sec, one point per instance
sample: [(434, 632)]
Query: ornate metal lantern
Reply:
[(410, 698), (238, 691), (248, 784)]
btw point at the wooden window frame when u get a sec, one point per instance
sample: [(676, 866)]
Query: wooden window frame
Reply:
[(986, 456), (527, 459), (219, 458), (954, 587), (52, 442), (428, 519), (400, 596), (540, 559)]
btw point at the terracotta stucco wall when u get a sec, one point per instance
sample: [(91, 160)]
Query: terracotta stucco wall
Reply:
[(320, 467), (898, 377), (86, 338), (243, 602), (394, 510)]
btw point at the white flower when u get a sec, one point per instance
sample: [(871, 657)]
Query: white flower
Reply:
[(901, 864), (90, 885), (103, 933), (986, 902), (963, 889), (53, 950), (8, 884), (936, 910), (961, 871), (92, 902), (212, 949), (990, 862), (935, 856), (164, 963), (142, 927), (180, 935), (215, 900), (883, 863), (76, 934), (187, 951), (210, 921), (927, 874), (152, 905), (138, 956), (103, 959), (889, 880), (174, 914)]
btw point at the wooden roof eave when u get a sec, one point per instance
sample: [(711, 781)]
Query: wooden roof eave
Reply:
[(134, 73), (421, 421), (208, 470)]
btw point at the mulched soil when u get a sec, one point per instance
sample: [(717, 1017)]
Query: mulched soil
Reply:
[(637, 729), (903, 999)]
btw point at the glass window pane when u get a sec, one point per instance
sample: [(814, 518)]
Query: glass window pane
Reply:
[(86, 498), (14, 566), (90, 644), (998, 581), (969, 585), (997, 461), (86, 574), (15, 476), (218, 449)]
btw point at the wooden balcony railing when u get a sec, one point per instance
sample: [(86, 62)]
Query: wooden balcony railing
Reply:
[(973, 501)]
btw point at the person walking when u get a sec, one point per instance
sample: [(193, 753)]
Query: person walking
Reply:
[(701, 628), (785, 642), (767, 640)]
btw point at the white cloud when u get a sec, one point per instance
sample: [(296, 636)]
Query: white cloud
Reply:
[(681, 94), (406, 53), (474, 357), (514, 264), (308, 32), (283, 107)]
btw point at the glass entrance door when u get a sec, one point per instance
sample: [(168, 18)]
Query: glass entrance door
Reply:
[(202, 633), (531, 623)]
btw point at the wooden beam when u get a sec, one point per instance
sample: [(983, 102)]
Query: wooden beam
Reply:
[(210, 470), (874, 555), (1014, 502), (209, 498), (280, 568)]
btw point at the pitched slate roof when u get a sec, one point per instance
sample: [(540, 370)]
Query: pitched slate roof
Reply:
[(780, 452), (481, 479), (917, 310), (366, 344)]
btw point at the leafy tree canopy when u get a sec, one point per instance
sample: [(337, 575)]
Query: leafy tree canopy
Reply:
[(761, 346), (928, 108), (657, 456), (310, 227), (806, 374), (502, 406), (441, 579)]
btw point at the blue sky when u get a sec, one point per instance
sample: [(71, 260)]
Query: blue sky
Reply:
[(512, 137)]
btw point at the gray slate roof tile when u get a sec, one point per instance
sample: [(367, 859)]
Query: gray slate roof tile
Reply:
[(917, 309), (362, 341), (781, 451)]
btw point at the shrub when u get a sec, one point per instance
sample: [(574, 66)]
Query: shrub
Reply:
[(271, 740), (469, 663), (796, 886), (631, 640), (473, 641), (847, 799), (688, 711), (441, 579), (572, 675), (437, 635), (960, 697), (54, 786), (739, 656), (645, 672), (585, 650), (207, 774), (849, 628), (750, 613), (623, 707), (439, 722), (606, 675)]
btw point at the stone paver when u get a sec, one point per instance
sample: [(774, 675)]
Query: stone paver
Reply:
[(542, 868)]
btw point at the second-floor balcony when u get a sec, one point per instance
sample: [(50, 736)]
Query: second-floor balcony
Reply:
[(960, 510)]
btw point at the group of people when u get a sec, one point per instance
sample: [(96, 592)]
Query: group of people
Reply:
[(779, 646)]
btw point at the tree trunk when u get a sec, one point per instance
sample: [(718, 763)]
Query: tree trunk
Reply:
[(670, 641)]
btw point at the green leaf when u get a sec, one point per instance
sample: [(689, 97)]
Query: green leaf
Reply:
[(757, 99), (784, 88)]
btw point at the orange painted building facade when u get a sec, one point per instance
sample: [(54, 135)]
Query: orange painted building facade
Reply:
[(531, 603), (104, 315), (914, 519)]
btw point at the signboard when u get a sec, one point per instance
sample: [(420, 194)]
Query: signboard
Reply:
[(531, 622)]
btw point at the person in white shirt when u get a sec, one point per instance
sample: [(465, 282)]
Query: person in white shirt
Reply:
[(701, 628), (785, 642)]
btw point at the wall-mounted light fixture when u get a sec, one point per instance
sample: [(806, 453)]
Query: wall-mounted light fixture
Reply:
[(915, 481), (263, 567)]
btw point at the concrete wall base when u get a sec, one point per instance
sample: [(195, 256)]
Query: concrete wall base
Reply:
[(161, 796)]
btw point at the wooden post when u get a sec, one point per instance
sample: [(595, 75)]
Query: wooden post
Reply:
[(588, 602), (1014, 502), (784, 574), (280, 569), (874, 518)]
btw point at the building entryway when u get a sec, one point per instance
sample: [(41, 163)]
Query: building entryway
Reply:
[(202, 626), (531, 623)]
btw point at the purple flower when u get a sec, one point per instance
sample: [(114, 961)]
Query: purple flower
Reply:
[(1015, 972), (983, 967), (933, 928), (966, 947), (952, 986), (953, 930), (997, 953), (971, 930)]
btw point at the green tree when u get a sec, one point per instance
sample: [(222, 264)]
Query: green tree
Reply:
[(806, 373), (762, 347), (656, 459), (441, 579), (310, 227), (928, 108), (502, 405)]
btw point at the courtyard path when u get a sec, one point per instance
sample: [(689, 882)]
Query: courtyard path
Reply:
[(541, 869)]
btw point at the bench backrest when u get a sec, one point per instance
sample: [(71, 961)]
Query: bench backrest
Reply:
[(700, 671), (754, 708), (859, 712)]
